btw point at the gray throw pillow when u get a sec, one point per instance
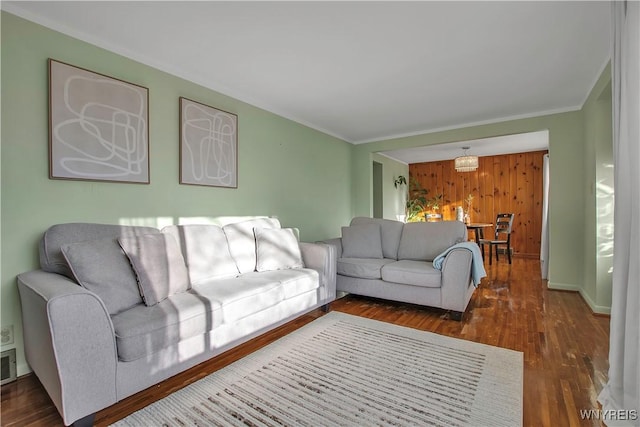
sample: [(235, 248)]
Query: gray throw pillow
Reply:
[(103, 268), (277, 249), (362, 241), (158, 264)]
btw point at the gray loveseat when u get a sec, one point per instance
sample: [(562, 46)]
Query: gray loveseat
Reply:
[(116, 309), (392, 260)]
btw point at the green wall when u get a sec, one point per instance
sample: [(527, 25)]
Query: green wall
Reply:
[(598, 248), (287, 170)]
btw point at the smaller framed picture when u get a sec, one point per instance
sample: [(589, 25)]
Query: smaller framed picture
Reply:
[(98, 126), (208, 145)]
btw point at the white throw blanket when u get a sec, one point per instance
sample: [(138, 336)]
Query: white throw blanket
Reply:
[(477, 266)]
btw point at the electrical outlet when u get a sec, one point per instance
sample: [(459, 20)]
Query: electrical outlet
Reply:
[(6, 335)]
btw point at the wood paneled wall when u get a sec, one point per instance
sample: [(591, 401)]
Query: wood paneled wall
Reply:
[(504, 183)]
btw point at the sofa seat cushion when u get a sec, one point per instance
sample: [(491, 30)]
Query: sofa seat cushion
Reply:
[(416, 273), (144, 330), (364, 268), (294, 282), (239, 297)]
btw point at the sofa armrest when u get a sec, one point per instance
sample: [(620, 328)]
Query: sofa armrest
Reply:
[(322, 258), (336, 243), (69, 343), (457, 286)]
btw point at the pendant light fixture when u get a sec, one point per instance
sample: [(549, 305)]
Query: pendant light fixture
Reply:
[(466, 163)]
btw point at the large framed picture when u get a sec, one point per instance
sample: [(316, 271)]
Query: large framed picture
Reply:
[(208, 145), (98, 126)]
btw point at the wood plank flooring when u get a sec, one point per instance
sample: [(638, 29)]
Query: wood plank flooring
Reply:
[(565, 348)]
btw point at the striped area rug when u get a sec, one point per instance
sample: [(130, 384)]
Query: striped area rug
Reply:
[(346, 370)]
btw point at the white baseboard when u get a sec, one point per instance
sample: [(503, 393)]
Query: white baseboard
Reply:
[(23, 369), (562, 287), (596, 309)]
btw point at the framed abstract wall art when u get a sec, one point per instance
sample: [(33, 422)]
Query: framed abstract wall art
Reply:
[(208, 145), (98, 126)]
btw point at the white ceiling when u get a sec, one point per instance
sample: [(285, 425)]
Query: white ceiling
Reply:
[(361, 71), (506, 144)]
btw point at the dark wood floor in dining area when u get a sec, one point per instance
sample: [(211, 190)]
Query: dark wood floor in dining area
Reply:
[(565, 348)]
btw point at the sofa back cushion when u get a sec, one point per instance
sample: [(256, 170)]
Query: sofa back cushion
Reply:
[(423, 241), (390, 233), (242, 241), (205, 251), (362, 241), (51, 257)]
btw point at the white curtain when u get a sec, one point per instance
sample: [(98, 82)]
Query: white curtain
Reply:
[(544, 238), (622, 391)]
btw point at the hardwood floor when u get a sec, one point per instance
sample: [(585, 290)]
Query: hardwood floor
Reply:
[(565, 348)]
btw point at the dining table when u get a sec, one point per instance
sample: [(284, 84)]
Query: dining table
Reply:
[(478, 229)]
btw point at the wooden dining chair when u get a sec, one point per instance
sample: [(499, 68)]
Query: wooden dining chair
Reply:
[(502, 236)]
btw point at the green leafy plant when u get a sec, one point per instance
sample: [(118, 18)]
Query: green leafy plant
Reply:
[(433, 204), (416, 201), (400, 180)]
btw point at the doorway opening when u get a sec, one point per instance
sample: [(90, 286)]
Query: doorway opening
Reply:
[(377, 190)]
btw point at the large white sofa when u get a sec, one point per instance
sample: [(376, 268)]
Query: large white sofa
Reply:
[(116, 309), (392, 260)]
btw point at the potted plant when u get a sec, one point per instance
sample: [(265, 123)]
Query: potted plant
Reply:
[(416, 201), (432, 206), (418, 207)]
